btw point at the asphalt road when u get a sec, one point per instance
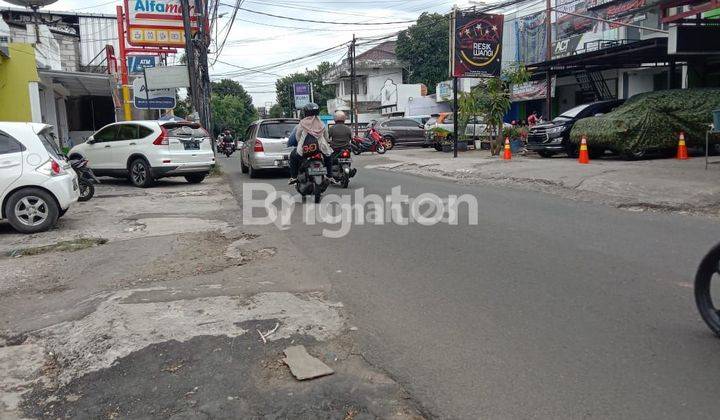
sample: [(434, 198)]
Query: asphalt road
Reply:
[(548, 308)]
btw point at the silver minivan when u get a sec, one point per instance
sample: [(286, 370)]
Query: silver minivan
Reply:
[(264, 145)]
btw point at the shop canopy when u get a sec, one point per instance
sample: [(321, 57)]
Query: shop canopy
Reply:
[(610, 55), (80, 84)]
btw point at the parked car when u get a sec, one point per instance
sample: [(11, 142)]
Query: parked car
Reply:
[(265, 145), (401, 131), (554, 137), (37, 184), (145, 151), (476, 129)]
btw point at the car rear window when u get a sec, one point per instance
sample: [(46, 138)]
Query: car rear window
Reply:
[(185, 130), (47, 138), (276, 130)]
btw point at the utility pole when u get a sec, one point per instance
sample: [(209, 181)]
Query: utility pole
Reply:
[(353, 101), (197, 63), (548, 57)]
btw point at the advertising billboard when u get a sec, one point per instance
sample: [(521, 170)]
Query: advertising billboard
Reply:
[(477, 44), (301, 92), (143, 98), (157, 23)]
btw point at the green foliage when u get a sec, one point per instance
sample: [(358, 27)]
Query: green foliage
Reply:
[(515, 132), (652, 121), (183, 107), (423, 47), (321, 92), (493, 98), (232, 107), (276, 111)]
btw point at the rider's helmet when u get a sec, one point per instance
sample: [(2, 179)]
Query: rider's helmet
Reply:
[(311, 110), (339, 117)]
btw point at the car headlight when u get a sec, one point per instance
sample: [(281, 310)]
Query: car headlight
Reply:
[(555, 130)]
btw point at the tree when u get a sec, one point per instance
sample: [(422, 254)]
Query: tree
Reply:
[(276, 111), (423, 48), (321, 92), (232, 107), (493, 99)]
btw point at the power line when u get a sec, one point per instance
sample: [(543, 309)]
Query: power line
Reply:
[(320, 21)]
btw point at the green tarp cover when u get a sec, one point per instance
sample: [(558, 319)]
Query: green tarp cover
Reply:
[(652, 121)]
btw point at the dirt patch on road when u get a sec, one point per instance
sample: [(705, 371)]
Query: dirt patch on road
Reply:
[(62, 246)]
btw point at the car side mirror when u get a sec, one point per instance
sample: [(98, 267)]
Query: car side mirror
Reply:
[(90, 140)]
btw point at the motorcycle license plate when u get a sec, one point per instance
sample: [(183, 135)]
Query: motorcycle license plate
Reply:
[(317, 170), (281, 163), (344, 160)]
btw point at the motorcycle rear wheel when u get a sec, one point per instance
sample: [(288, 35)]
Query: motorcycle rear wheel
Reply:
[(380, 149), (708, 271), (87, 190)]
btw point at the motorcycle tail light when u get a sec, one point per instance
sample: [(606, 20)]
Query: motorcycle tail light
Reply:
[(258, 146), (345, 154)]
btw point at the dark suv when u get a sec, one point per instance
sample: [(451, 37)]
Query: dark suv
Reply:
[(554, 137), (404, 131)]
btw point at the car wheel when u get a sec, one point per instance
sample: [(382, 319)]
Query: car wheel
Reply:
[(62, 212), (596, 153), (31, 210), (243, 167), (252, 172), (141, 173), (425, 146), (195, 178), (634, 154), (572, 151), (545, 154), (388, 142), (437, 146), (707, 273)]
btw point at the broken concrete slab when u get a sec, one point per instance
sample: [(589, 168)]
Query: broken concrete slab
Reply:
[(304, 366)]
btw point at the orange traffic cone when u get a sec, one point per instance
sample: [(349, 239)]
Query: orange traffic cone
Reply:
[(584, 156), (507, 155), (682, 148)]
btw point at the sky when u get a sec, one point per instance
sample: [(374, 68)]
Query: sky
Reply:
[(259, 40)]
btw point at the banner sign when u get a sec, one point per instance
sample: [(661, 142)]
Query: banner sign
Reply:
[(136, 63), (534, 89), (167, 77), (444, 91), (477, 44), (531, 35), (301, 92), (152, 99), (157, 23)]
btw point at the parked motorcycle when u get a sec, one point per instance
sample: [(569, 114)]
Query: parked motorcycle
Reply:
[(367, 144), (708, 272), (86, 178), (342, 169)]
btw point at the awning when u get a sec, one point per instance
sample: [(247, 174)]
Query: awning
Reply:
[(80, 84), (623, 55)]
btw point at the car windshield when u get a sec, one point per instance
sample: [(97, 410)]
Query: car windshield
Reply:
[(276, 130), (572, 112), (47, 138)]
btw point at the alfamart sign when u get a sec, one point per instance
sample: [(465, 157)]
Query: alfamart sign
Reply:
[(157, 23)]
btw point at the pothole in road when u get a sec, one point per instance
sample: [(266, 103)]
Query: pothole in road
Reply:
[(62, 246)]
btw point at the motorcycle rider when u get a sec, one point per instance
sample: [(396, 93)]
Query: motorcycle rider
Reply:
[(340, 137), (310, 127)]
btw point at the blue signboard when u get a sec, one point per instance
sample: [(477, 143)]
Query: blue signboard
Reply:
[(152, 99), (136, 63)]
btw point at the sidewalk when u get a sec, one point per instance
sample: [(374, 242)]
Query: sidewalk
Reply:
[(661, 184)]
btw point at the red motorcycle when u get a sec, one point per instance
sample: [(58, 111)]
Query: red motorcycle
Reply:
[(372, 142)]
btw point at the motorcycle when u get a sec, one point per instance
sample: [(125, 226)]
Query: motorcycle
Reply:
[(341, 167), (312, 176), (86, 178), (226, 147), (708, 271), (367, 144)]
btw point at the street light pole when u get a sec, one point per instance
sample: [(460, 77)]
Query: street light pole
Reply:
[(548, 57)]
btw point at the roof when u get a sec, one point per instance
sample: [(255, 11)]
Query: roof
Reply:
[(81, 84), (58, 13), (384, 51)]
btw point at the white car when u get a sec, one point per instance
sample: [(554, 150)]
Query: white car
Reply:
[(37, 185), (147, 150)]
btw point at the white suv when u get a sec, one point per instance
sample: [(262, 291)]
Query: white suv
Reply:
[(147, 150), (37, 185)]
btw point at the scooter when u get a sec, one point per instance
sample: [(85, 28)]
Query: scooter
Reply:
[(86, 178), (312, 176), (368, 144), (226, 148), (342, 169)]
